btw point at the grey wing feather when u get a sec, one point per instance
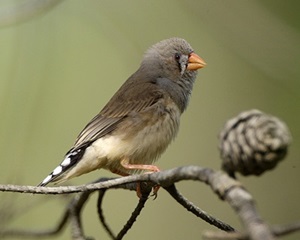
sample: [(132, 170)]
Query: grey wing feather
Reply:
[(116, 110), (98, 127), (127, 100)]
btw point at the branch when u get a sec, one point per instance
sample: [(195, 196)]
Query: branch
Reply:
[(74, 209), (277, 231), (146, 190), (134, 215), (101, 215), (197, 211), (227, 188), (111, 183)]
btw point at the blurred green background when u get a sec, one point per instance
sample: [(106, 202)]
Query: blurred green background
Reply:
[(59, 68)]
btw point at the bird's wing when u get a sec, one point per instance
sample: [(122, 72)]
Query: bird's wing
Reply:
[(125, 101)]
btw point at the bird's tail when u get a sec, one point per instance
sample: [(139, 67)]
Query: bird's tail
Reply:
[(70, 160)]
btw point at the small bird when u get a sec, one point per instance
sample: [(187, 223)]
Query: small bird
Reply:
[(140, 120)]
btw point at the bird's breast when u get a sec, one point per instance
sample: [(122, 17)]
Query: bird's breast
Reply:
[(142, 137)]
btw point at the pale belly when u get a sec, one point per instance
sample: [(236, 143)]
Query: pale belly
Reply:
[(143, 147), (139, 141)]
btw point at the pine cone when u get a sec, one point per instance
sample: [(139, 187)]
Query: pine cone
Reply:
[(253, 142)]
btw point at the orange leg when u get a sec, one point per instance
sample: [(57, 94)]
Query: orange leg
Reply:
[(150, 168)]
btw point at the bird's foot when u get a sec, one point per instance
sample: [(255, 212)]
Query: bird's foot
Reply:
[(149, 168)]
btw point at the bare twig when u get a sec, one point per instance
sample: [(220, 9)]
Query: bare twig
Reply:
[(135, 214), (112, 183), (281, 230), (242, 202), (146, 189), (211, 235), (101, 215), (227, 188), (74, 209), (277, 231), (197, 211)]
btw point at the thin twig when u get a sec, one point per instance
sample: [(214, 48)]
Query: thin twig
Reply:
[(281, 230), (135, 214), (101, 215), (278, 230), (197, 211), (112, 183), (227, 189), (242, 202), (146, 189), (211, 235), (75, 207)]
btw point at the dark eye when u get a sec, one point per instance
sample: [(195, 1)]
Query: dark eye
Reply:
[(177, 56)]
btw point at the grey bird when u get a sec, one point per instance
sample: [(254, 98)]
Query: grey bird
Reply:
[(140, 120)]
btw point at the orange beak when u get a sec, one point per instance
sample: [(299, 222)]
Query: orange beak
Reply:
[(195, 62)]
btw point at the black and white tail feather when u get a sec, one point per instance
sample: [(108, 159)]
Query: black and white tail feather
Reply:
[(71, 159)]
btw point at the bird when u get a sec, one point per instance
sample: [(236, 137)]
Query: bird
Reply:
[(141, 119)]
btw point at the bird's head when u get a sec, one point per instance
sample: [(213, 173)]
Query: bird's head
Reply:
[(173, 58)]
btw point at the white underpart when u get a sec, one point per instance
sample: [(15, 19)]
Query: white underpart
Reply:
[(143, 148), (95, 156)]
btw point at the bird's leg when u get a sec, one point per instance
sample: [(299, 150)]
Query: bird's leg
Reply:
[(138, 187), (149, 168)]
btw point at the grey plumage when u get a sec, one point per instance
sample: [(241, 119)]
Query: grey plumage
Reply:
[(141, 119)]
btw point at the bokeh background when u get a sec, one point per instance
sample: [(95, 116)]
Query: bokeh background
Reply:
[(60, 66)]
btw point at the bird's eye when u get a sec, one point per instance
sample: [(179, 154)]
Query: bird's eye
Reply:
[(177, 56)]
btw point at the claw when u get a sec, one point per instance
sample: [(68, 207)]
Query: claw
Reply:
[(155, 190)]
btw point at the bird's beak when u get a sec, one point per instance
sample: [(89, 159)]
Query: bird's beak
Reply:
[(195, 62)]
